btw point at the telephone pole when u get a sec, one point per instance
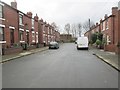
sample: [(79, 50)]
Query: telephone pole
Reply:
[(89, 30)]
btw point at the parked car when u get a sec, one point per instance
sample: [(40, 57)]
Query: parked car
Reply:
[(82, 43), (53, 45)]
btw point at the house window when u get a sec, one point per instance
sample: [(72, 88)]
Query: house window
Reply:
[(1, 34), (51, 31), (21, 36), (44, 29), (33, 36), (44, 38), (103, 26), (106, 24), (36, 37), (32, 23), (48, 30), (1, 11), (20, 20), (108, 40)]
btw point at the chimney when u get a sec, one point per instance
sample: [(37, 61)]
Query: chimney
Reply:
[(105, 16), (100, 20), (114, 10), (41, 20), (36, 17), (29, 14), (14, 4), (96, 24)]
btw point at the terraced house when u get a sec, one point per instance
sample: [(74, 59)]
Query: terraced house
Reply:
[(110, 28), (47, 33), (20, 31)]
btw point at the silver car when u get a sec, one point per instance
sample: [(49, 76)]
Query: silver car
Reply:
[(53, 45)]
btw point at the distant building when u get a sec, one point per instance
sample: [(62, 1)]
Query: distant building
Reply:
[(65, 37)]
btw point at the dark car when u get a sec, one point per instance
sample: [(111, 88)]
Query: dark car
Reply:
[(53, 45)]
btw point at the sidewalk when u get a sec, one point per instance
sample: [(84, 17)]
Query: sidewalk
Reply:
[(6, 58), (108, 57)]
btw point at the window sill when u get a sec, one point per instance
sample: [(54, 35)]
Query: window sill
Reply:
[(22, 41), (2, 19), (107, 28), (21, 24), (2, 42), (33, 41)]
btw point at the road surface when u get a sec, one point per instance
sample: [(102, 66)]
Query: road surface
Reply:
[(65, 67)]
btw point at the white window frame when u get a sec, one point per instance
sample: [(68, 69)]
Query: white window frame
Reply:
[(1, 11), (11, 27), (21, 19), (104, 26), (32, 23), (107, 24), (22, 38), (108, 40), (2, 25), (36, 37), (33, 36), (2, 34)]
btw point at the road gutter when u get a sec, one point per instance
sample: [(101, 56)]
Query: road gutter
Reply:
[(107, 61), (22, 55)]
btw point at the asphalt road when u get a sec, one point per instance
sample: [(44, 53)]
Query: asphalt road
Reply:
[(66, 67)]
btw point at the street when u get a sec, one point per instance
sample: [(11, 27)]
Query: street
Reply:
[(65, 67)]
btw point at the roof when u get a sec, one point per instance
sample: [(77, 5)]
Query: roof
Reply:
[(14, 8)]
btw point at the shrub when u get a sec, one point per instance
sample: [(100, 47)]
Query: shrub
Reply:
[(98, 42)]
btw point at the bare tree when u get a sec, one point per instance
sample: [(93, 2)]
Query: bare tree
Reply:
[(79, 26), (55, 26), (67, 28), (87, 25), (73, 30)]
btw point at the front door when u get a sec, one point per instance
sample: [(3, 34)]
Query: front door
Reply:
[(27, 35)]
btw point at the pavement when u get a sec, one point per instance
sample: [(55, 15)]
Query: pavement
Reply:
[(10, 57), (108, 57)]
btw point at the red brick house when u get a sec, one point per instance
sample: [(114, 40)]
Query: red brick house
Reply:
[(23, 31), (93, 29), (9, 27), (43, 33), (47, 33), (17, 29), (109, 27)]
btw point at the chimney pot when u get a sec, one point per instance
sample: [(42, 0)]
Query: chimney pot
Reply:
[(114, 10), (14, 4), (29, 14)]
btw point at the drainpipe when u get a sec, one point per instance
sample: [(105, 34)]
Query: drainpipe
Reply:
[(113, 31)]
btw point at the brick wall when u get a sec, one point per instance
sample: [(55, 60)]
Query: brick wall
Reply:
[(11, 20)]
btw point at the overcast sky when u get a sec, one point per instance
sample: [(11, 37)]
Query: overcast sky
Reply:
[(67, 11)]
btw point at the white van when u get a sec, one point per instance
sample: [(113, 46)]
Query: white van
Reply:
[(82, 42)]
